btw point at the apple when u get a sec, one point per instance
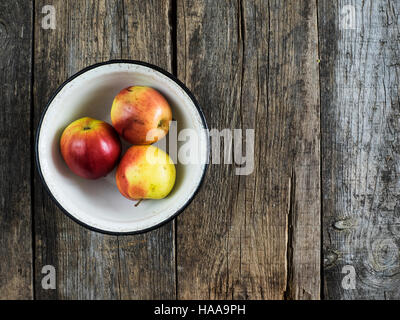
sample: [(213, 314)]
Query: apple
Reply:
[(145, 172), (141, 115), (90, 147)]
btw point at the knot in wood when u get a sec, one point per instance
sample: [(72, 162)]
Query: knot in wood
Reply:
[(385, 255), (344, 224), (330, 257)]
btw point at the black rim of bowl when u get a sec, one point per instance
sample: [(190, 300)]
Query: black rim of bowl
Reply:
[(151, 66)]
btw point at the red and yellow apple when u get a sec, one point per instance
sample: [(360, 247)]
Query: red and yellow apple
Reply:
[(141, 115), (91, 148), (145, 172)]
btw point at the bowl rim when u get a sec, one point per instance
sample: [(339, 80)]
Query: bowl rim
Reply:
[(122, 61)]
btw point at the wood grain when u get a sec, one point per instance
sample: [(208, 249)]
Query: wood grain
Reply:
[(15, 154), (86, 262), (207, 32), (147, 261), (253, 65), (91, 265), (360, 138), (294, 137)]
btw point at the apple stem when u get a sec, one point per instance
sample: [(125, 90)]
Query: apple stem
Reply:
[(137, 203)]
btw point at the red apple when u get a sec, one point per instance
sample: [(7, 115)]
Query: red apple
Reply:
[(141, 115), (91, 148)]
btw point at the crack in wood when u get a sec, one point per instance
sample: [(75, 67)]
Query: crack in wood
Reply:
[(288, 295)]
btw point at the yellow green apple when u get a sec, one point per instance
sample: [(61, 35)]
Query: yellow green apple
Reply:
[(145, 172)]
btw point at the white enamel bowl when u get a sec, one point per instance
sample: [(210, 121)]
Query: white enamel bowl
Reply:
[(97, 204)]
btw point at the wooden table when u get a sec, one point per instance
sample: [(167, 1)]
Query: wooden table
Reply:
[(318, 81)]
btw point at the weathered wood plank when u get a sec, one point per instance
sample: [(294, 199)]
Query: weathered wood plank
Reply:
[(86, 262), (143, 266), (253, 65), (360, 120), (15, 154), (148, 260), (293, 140), (209, 62)]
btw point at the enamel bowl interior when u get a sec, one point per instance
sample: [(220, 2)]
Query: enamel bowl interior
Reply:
[(98, 203)]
